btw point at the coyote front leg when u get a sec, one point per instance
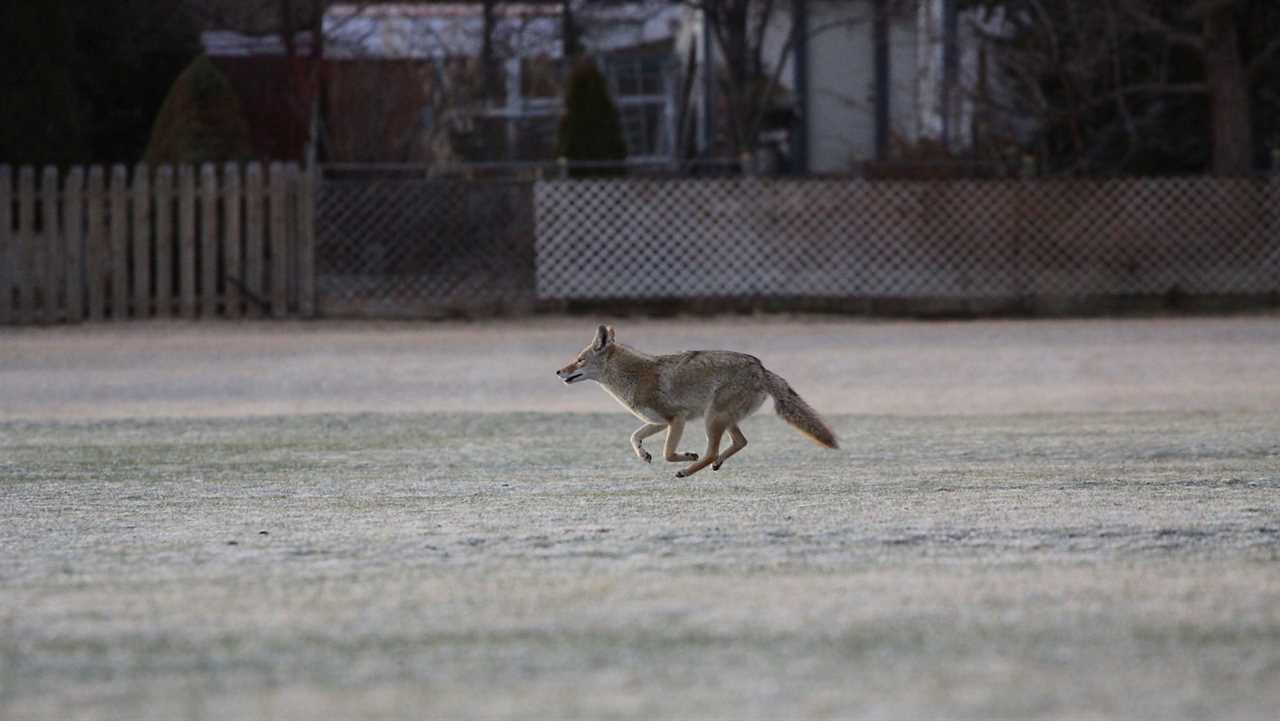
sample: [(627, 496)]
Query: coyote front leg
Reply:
[(638, 437), (674, 430)]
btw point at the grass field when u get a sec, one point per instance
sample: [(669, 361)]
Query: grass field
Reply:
[(1050, 520)]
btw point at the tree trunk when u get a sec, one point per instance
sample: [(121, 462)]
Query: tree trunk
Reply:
[(568, 33), (1228, 95), (488, 63), (314, 86), (286, 29), (733, 33)]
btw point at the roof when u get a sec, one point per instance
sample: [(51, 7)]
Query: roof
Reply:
[(230, 44), (439, 30), (406, 30)]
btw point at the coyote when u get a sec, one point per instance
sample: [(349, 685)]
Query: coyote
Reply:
[(667, 390)]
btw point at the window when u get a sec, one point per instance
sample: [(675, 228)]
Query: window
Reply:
[(639, 84), (645, 129), (637, 75)]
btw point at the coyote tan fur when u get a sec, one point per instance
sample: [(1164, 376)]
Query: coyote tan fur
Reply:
[(666, 391)]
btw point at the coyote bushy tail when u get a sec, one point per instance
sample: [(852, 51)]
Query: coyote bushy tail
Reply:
[(793, 409)]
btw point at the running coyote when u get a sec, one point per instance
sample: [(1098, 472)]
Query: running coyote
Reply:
[(667, 390)]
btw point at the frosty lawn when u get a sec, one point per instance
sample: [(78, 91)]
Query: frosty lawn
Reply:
[(1026, 519), (476, 566)]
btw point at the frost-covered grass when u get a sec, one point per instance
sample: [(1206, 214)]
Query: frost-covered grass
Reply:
[(528, 565)]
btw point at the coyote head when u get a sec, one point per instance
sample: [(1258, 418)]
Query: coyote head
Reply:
[(590, 362)]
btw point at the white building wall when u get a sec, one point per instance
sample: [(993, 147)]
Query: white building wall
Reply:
[(904, 125), (930, 69), (841, 117), (951, 109)]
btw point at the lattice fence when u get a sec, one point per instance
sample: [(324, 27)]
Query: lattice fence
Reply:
[(396, 246), (756, 238)]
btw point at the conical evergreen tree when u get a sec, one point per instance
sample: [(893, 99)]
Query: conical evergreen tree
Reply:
[(200, 120), (590, 129)]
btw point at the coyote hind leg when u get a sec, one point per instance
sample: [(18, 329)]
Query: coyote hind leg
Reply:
[(715, 431), (739, 442)]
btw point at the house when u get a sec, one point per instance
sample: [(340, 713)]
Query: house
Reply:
[(522, 106), (867, 80), (273, 89), (856, 80)]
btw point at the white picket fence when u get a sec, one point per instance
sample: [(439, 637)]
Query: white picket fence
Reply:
[(92, 243)]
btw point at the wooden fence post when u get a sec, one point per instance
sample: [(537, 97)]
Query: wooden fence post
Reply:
[(208, 241), (1272, 220), (232, 273), (95, 246), (51, 271), (73, 234), (141, 201), (6, 246), (164, 241), (187, 240), (279, 246), (119, 243), (25, 259), (253, 275), (307, 244)]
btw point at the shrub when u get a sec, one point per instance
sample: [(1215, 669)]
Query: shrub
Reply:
[(200, 120), (590, 129)]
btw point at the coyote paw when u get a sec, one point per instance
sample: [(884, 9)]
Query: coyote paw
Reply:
[(644, 455), (715, 466), (679, 474)]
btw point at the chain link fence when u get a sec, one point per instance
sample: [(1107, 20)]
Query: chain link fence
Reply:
[(430, 246), (388, 246)]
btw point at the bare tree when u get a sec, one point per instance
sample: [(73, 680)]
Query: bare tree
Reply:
[(441, 96), (755, 40), (1101, 79), (739, 28), (1228, 73)]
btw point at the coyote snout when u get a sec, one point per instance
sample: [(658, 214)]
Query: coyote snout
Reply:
[(667, 390), (570, 374), (590, 362)]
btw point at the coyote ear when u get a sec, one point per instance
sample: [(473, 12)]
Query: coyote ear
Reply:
[(602, 338), (609, 328)]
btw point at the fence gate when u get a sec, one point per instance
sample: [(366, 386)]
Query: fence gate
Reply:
[(186, 241), (389, 246)]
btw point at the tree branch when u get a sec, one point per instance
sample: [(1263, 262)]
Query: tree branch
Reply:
[(1258, 64), (1151, 23)]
